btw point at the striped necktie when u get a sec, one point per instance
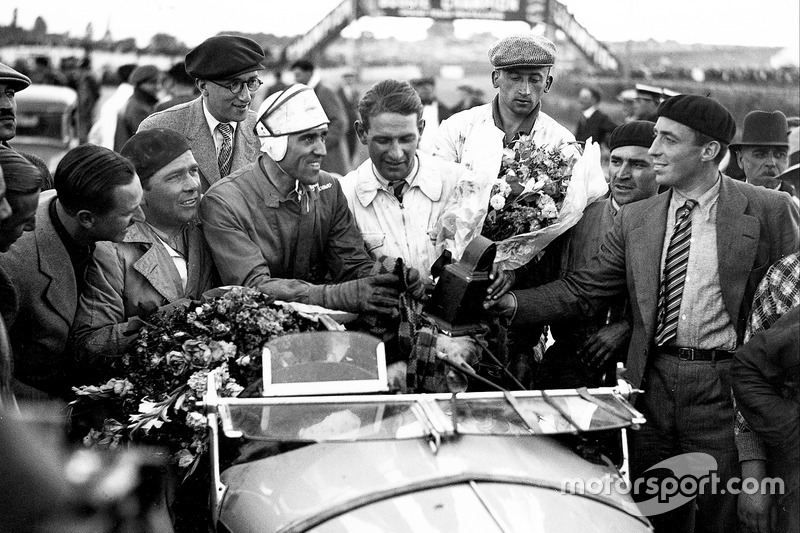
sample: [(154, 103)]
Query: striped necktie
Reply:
[(669, 297), (226, 151)]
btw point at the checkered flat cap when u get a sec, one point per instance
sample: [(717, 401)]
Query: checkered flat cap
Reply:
[(522, 50)]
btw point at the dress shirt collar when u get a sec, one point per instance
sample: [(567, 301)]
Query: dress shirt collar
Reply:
[(587, 114), (213, 122), (370, 181), (525, 128)]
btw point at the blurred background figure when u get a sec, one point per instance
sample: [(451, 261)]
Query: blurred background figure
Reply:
[(88, 88), (337, 160), (627, 98), (146, 81), (468, 97), (105, 126), (593, 122), (45, 73), (646, 102), (791, 176), (350, 95), (433, 112), (178, 86)]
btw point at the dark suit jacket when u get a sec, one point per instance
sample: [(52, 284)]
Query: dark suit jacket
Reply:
[(39, 267), (190, 120), (599, 127), (755, 228)]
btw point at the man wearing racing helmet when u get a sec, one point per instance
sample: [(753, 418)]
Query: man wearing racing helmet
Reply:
[(283, 226)]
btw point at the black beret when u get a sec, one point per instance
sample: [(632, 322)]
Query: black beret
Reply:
[(152, 150), (702, 114), (634, 133), (223, 57), (16, 80)]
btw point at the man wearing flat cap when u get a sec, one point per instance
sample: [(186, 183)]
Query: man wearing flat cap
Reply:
[(690, 259), (146, 81), (219, 123), (589, 346), (163, 260), (762, 151), (11, 82), (282, 225), (476, 137)]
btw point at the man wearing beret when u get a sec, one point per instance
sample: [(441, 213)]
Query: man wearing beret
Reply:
[(476, 137), (11, 82), (587, 347), (146, 81), (162, 260), (219, 123), (96, 198), (690, 259), (763, 151), (283, 226)]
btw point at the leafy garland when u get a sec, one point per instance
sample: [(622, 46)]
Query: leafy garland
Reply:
[(153, 399)]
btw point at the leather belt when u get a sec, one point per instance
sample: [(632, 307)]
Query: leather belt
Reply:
[(695, 354)]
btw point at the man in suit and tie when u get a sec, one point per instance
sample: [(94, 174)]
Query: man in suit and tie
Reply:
[(219, 124), (690, 259), (96, 198), (593, 122)]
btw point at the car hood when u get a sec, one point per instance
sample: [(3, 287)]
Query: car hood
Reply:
[(504, 482)]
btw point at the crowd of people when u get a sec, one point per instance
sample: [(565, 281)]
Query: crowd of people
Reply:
[(687, 276)]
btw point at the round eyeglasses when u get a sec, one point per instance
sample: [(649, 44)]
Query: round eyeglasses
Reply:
[(236, 86)]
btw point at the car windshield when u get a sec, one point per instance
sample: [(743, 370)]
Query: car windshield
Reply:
[(385, 417)]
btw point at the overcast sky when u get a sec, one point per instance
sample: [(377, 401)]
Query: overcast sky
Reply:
[(743, 22)]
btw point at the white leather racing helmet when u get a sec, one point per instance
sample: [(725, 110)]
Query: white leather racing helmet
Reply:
[(292, 110)]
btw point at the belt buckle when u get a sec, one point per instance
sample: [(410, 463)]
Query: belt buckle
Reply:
[(686, 354)]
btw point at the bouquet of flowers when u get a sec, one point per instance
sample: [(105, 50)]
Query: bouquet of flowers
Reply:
[(539, 193), (165, 372)]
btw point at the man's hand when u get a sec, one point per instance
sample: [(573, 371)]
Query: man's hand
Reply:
[(415, 286), (376, 294), (503, 280), (505, 306), (604, 343), (757, 512)]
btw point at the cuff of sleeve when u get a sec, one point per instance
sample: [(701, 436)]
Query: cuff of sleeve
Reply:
[(316, 295), (514, 311), (751, 446)]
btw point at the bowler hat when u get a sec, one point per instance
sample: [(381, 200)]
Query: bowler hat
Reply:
[(12, 78), (224, 57), (762, 128)]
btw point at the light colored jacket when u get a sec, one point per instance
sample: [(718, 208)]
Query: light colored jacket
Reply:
[(132, 279), (190, 120), (406, 230), (472, 139)]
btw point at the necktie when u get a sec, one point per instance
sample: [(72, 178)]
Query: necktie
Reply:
[(669, 298), (398, 187), (225, 152)]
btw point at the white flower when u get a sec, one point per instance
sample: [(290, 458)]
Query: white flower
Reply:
[(548, 207), (497, 201), (243, 360), (503, 187), (198, 311)]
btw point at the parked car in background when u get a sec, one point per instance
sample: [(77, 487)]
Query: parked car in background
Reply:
[(321, 447), (46, 122)]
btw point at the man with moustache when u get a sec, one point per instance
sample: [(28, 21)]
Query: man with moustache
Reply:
[(690, 259), (588, 347), (162, 261), (11, 82), (763, 151), (96, 198), (283, 226), (219, 123)]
